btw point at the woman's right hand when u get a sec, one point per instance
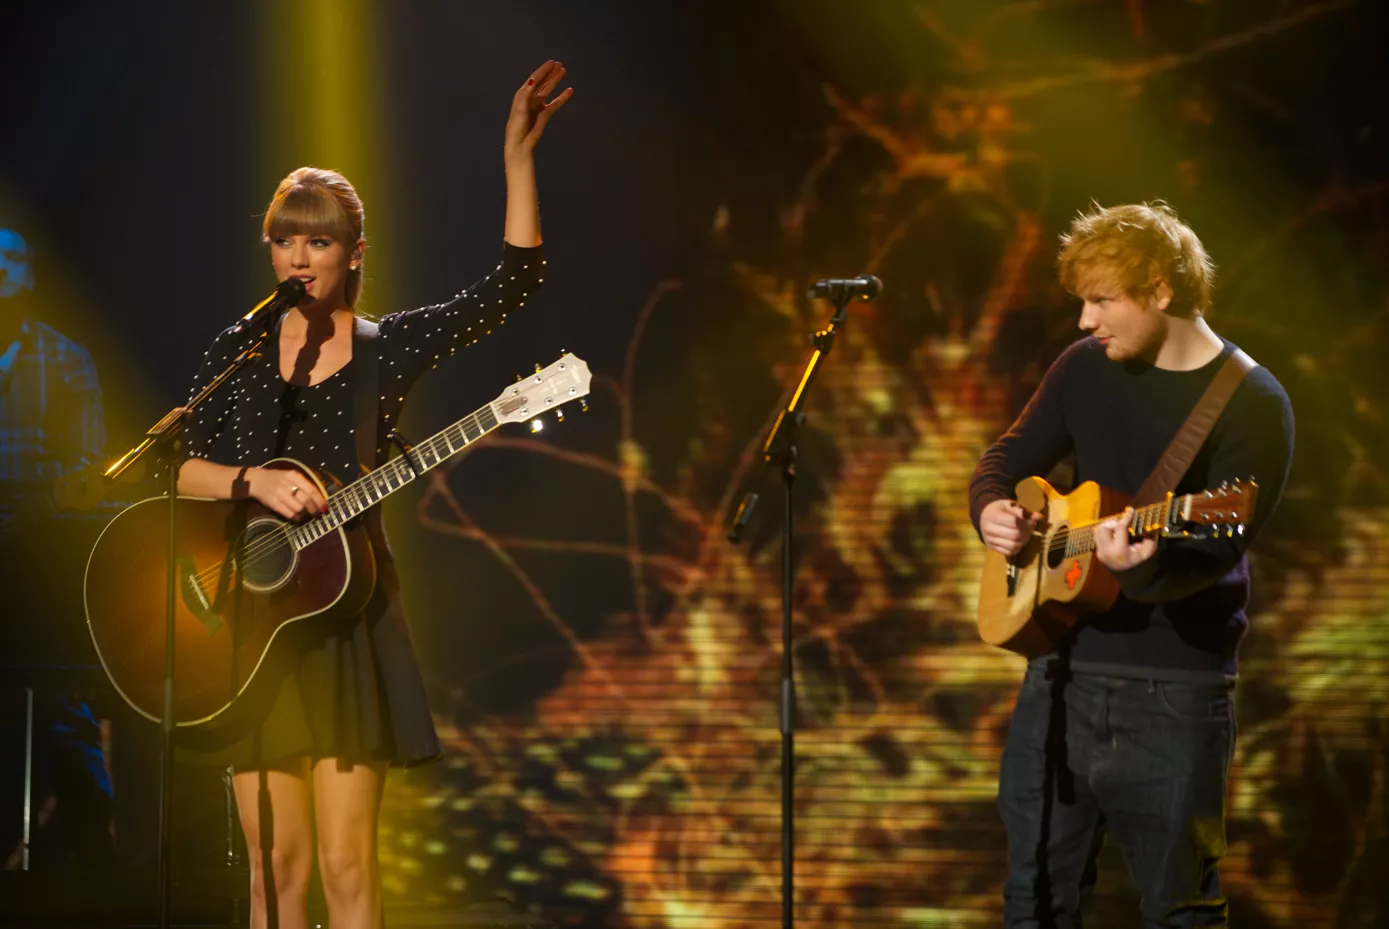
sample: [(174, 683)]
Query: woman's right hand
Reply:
[(1006, 526), (289, 493)]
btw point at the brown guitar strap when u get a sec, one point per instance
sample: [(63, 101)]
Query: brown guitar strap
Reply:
[(1181, 451)]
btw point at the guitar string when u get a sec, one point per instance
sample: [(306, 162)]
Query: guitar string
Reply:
[(1074, 538), (269, 541), (272, 540), (275, 538)]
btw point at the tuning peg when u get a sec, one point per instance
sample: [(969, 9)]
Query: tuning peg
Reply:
[(537, 369), (518, 378), (537, 424), (583, 404), (559, 415)]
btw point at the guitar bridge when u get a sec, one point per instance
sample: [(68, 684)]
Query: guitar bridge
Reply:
[(195, 597), (197, 591)]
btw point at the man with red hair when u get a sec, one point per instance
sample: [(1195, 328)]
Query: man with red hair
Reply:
[(1128, 727)]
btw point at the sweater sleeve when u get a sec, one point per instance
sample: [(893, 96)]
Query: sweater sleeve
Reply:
[(1034, 444), (1254, 440), (414, 341)]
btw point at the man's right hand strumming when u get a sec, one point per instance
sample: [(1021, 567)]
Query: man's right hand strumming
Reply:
[(1006, 526)]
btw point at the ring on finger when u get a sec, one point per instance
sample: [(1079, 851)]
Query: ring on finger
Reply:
[(293, 490)]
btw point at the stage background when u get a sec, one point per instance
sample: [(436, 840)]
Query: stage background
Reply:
[(603, 664)]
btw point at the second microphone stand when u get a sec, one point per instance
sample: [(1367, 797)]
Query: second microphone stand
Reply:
[(779, 451)]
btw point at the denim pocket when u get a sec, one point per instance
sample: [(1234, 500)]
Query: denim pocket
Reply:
[(1208, 702)]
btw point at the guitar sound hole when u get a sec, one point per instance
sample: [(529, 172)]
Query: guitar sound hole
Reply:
[(267, 558), (1056, 547)]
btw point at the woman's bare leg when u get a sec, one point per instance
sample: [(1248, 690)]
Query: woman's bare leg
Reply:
[(347, 803), (277, 820)]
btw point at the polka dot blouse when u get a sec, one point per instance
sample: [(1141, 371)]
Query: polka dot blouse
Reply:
[(258, 415)]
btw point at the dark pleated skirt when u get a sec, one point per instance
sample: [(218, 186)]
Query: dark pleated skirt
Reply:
[(354, 693)]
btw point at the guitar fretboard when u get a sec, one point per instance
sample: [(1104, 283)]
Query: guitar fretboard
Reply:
[(373, 487), (1145, 521)]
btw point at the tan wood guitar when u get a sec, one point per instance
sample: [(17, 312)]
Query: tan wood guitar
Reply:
[(1029, 602), (246, 576)]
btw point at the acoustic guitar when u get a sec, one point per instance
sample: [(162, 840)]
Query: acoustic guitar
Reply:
[(1029, 602), (246, 575)]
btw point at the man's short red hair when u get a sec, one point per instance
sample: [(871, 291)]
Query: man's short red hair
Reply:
[(1132, 246)]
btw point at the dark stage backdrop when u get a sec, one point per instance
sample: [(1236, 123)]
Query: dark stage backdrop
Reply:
[(603, 664)]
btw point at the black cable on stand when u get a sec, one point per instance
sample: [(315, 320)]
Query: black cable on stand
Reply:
[(779, 451), (164, 437)]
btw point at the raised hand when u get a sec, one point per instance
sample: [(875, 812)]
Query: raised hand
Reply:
[(530, 110)]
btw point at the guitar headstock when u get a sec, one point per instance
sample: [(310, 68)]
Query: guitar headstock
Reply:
[(1227, 508), (547, 389)]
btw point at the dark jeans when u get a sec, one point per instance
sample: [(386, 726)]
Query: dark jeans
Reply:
[(1145, 761)]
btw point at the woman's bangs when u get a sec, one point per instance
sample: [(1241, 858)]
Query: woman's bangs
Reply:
[(306, 210)]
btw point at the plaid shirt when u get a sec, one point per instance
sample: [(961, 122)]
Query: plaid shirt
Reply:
[(50, 405)]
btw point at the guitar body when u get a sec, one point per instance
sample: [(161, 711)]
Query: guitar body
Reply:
[(241, 587), (1028, 603), (247, 581)]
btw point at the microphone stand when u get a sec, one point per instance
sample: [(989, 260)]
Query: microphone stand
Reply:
[(779, 451), (164, 437)]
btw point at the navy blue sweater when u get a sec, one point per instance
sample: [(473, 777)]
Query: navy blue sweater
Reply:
[(1180, 614)]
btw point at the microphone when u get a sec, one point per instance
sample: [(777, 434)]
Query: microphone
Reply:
[(289, 293), (863, 287)]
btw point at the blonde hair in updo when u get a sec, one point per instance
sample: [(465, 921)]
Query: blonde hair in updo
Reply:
[(316, 201)]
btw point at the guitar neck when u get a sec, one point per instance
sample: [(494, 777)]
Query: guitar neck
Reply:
[(1146, 521), (374, 486)]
